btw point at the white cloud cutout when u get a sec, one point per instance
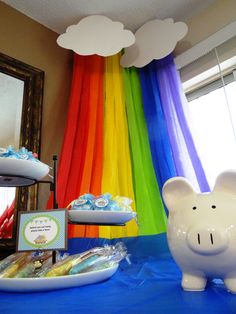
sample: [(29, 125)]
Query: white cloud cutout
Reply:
[(96, 34), (154, 40)]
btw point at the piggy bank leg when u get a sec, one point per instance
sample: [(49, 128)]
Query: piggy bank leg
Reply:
[(193, 282), (230, 283)]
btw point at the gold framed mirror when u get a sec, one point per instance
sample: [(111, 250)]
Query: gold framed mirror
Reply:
[(29, 121)]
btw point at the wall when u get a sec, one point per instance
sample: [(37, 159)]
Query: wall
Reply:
[(30, 42), (214, 18)]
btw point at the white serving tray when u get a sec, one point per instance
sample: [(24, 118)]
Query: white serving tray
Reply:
[(100, 216), (54, 283), (23, 168)]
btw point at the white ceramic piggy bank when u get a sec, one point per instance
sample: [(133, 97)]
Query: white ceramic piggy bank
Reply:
[(202, 230)]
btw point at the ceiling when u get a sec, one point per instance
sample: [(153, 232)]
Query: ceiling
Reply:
[(58, 14)]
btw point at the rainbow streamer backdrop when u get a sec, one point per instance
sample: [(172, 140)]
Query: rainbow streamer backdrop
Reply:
[(106, 146)]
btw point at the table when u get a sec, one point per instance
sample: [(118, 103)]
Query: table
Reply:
[(151, 284)]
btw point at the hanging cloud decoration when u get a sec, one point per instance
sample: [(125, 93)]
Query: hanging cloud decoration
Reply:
[(96, 34), (154, 40)]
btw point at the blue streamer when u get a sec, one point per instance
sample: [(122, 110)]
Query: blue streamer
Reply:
[(156, 125)]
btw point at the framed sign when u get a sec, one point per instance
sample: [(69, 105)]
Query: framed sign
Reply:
[(42, 230)]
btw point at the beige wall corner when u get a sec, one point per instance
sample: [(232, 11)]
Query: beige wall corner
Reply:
[(206, 23), (28, 41)]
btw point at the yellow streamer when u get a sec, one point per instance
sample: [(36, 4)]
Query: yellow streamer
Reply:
[(117, 173)]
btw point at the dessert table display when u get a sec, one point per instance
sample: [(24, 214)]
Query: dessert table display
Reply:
[(37, 270)]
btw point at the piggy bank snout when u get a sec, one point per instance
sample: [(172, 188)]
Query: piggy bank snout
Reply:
[(207, 240)]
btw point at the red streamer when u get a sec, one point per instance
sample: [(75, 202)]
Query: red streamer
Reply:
[(6, 221)]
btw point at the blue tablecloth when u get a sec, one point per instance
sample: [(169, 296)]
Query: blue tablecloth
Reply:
[(151, 284)]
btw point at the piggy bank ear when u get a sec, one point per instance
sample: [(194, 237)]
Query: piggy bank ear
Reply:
[(174, 189), (226, 182)]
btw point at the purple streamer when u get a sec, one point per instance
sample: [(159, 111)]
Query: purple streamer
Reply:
[(174, 102)]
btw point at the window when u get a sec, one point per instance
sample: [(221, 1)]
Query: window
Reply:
[(212, 119)]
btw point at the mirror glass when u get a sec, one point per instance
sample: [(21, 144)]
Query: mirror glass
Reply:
[(21, 94), (11, 99)]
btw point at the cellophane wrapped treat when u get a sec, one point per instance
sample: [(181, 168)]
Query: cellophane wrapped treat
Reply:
[(12, 264), (24, 265), (101, 258), (34, 265), (63, 267)]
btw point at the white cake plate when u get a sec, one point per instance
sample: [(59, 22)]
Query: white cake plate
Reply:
[(100, 216), (20, 172), (54, 283)]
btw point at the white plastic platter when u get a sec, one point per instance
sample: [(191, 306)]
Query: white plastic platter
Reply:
[(54, 283), (24, 168), (100, 216)]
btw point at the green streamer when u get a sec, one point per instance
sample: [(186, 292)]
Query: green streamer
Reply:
[(151, 213)]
